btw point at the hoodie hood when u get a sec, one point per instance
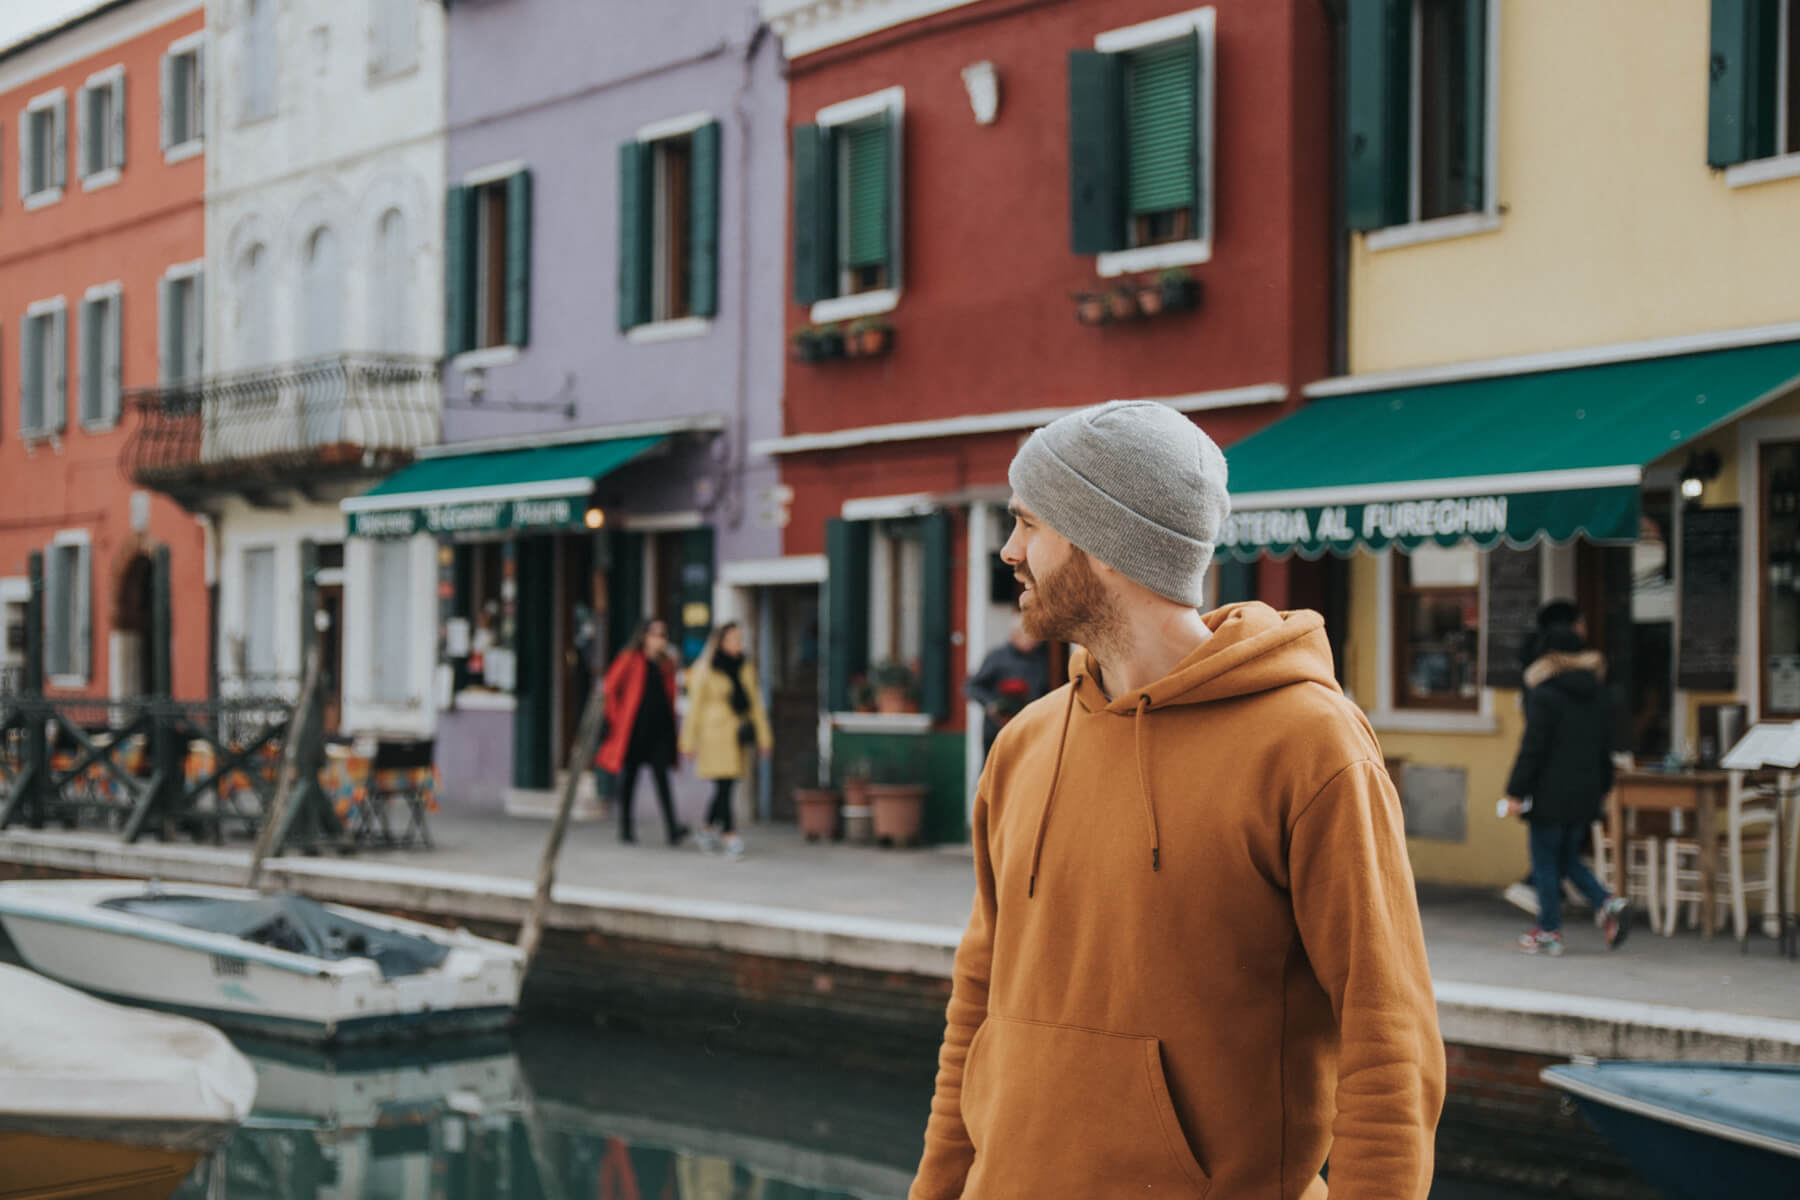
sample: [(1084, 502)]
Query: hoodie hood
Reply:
[(1578, 673)]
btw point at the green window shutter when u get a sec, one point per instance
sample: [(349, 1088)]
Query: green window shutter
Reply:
[(1162, 126), (1378, 102), (869, 191), (934, 664), (703, 222), (635, 182), (815, 214), (459, 278), (695, 618), (1096, 152), (518, 259), (847, 608), (1740, 118), (1475, 103), (624, 589)]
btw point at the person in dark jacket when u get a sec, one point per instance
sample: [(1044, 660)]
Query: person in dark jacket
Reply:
[(1563, 773), (1011, 676), (640, 724)]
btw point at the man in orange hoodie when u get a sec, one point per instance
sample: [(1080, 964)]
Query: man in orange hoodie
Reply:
[(1194, 966)]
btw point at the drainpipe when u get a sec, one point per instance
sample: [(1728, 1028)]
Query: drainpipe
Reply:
[(1337, 17)]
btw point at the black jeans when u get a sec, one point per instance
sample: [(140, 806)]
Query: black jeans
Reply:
[(718, 814), (659, 775)]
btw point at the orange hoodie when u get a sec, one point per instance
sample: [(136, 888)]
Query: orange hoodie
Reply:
[(1194, 966)]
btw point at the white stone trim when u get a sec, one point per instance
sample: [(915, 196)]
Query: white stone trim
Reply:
[(856, 722), (669, 522), (703, 423), (185, 270), (1762, 170), (775, 572), (670, 127), (100, 179), (39, 308), (1149, 33), (487, 356), (806, 26), (191, 148), (675, 330), (1437, 229), (1432, 489), (545, 489), (493, 173), (1114, 263), (473, 700), (858, 304), (860, 108), (883, 508)]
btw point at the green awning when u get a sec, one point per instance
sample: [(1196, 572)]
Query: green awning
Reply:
[(1513, 458), (535, 488)]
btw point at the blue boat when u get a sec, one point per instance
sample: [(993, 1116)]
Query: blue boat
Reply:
[(1697, 1131)]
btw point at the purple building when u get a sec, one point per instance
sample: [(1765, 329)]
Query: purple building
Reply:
[(613, 338)]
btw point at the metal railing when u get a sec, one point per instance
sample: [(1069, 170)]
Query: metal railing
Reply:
[(343, 415)]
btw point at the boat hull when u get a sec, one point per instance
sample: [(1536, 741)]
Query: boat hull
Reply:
[(1686, 1165), (46, 1167)]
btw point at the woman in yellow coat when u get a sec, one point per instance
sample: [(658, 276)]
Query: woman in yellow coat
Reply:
[(725, 724)]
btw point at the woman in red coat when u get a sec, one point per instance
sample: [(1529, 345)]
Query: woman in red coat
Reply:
[(640, 724)]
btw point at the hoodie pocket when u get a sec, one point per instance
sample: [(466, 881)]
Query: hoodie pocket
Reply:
[(1059, 1110)]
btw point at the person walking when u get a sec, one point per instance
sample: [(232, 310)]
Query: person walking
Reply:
[(640, 725), (1565, 768), (1011, 676), (725, 723), (1194, 961)]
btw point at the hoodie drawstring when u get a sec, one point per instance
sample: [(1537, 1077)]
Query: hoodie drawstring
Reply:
[(1141, 737), (1062, 741)]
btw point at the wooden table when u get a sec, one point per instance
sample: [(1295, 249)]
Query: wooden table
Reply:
[(1701, 792)]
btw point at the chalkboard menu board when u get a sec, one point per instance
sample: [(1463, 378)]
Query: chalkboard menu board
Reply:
[(1512, 606), (1710, 543)]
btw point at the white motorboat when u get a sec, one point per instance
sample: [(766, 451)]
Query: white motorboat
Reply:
[(99, 1100), (275, 964)]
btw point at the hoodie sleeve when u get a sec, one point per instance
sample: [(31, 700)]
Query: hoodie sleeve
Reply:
[(948, 1152), (1358, 917), (1534, 747)]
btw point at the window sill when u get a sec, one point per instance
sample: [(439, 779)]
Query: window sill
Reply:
[(33, 438), (1437, 229), (1425, 721), (1115, 263), (41, 199), (184, 151), (68, 682), (862, 304), (474, 701), (1762, 170), (669, 331), (100, 179), (488, 356), (100, 425), (856, 722)]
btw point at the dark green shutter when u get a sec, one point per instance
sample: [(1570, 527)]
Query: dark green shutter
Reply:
[(1096, 153), (1741, 113), (624, 589), (1162, 126), (635, 253), (459, 279), (703, 222), (1379, 100), (518, 259), (695, 620), (869, 190), (815, 214), (934, 641), (1474, 138), (847, 608)]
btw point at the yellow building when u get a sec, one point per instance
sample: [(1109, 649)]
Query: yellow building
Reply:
[(1574, 372)]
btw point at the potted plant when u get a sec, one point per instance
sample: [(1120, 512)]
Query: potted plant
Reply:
[(870, 337), (830, 339), (1090, 308), (896, 687), (806, 343), (817, 810), (1149, 293), (1180, 290), (897, 804), (1121, 303), (862, 694)]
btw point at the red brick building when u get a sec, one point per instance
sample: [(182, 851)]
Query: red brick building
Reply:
[(102, 237), (1007, 208)]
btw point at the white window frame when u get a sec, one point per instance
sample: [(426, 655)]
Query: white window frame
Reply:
[(56, 103), (111, 358), (194, 270), (56, 376), (195, 143), (849, 112), (1487, 219), (111, 80), (386, 19), (82, 612), (1386, 717), (1781, 164), (244, 668), (1113, 263), (667, 329)]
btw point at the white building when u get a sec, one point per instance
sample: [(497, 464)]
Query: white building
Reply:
[(324, 260)]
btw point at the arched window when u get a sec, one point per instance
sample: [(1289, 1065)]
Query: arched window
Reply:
[(392, 283), (321, 287), (254, 322)]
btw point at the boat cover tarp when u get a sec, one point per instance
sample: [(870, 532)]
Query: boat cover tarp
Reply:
[(72, 1065), (284, 921)]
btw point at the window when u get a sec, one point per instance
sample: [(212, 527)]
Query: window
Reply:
[(259, 658), (392, 277), (391, 567), (43, 360), (669, 223), (1780, 599), (847, 186), (1652, 666), (889, 602), (254, 321), (480, 574), (181, 316), (183, 99), (256, 97), (1419, 101), (42, 138), (100, 128), (322, 287), (488, 263), (68, 609), (393, 36), (1140, 137), (100, 344), (1437, 623), (1755, 103)]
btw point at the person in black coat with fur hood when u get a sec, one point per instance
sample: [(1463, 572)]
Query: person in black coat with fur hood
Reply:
[(1565, 770)]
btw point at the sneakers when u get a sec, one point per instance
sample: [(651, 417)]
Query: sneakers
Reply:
[(734, 848), (1522, 896), (708, 841), (1540, 942), (1614, 920)]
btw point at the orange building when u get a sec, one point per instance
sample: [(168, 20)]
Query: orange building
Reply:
[(102, 241)]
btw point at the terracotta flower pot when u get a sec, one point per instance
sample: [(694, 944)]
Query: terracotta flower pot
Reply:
[(1090, 308), (899, 812), (893, 700), (818, 812), (1150, 299), (1121, 305), (871, 342)]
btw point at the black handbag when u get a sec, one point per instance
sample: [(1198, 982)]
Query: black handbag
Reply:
[(746, 733)]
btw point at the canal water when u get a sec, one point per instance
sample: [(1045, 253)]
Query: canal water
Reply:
[(572, 1113)]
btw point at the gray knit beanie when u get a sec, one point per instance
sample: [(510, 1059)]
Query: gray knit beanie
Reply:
[(1135, 484)]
